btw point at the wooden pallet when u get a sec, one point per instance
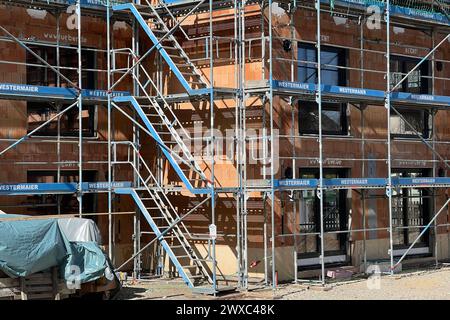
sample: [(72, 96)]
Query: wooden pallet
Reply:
[(9, 288), (40, 286)]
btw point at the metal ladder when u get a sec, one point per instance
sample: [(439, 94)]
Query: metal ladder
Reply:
[(168, 47), (167, 225)]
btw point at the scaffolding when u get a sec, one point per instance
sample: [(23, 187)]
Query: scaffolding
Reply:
[(141, 93)]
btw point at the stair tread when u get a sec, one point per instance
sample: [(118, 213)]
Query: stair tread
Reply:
[(176, 56), (190, 74)]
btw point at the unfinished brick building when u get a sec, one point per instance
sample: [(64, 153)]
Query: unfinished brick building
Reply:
[(222, 141)]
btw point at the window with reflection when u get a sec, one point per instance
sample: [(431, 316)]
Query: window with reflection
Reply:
[(417, 82), (335, 215), (332, 59), (334, 118), (410, 211), (411, 122)]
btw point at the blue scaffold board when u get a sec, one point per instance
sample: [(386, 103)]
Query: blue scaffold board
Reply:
[(93, 4), (364, 94), (421, 182), (420, 98), (362, 183), (359, 4), (88, 3), (395, 10), (104, 185), (296, 183), (183, 1), (97, 3), (176, 1), (57, 188), (24, 91), (354, 183)]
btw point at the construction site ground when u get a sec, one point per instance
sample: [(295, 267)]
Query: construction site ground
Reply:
[(429, 284)]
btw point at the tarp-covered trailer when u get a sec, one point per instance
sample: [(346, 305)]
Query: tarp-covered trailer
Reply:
[(53, 258)]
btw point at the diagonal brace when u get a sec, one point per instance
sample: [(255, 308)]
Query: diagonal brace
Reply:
[(37, 129), (171, 31), (419, 63), (421, 138), (421, 234), (178, 220), (23, 45)]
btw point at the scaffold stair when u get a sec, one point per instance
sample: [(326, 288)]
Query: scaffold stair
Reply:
[(173, 235), (170, 136), (168, 47)]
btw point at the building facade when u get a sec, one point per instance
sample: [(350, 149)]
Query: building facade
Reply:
[(260, 139)]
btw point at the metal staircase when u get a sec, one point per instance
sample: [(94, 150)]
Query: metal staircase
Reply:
[(167, 45), (190, 267), (154, 111), (162, 124), (167, 225)]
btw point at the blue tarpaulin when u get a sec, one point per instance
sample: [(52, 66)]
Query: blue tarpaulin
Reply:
[(30, 246)]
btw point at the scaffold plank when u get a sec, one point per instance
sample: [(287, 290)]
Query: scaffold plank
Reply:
[(57, 188), (15, 91), (363, 183), (361, 94)]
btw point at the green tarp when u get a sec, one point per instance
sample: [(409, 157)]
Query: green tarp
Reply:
[(90, 260), (30, 246)]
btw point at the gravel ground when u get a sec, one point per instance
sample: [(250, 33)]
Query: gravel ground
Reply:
[(422, 285), (157, 289), (412, 285), (430, 285)]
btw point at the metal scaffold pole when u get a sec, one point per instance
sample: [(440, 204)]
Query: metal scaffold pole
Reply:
[(244, 212), (212, 143), (241, 158), (319, 103), (363, 192), (80, 113), (433, 141), (58, 106), (388, 133), (137, 263), (272, 150), (108, 76), (238, 100)]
